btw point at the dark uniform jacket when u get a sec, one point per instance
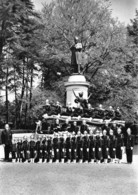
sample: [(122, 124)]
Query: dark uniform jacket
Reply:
[(119, 140), (83, 128), (55, 143), (32, 145), (129, 141), (99, 113), (74, 128), (105, 141), (86, 142), (74, 143), (92, 141), (109, 114), (65, 127), (6, 137), (112, 141)]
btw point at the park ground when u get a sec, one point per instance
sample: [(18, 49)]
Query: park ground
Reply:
[(68, 179)]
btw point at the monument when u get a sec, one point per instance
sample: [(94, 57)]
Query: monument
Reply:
[(76, 86)]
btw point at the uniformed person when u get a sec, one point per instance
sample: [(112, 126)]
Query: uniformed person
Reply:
[(56, 127), (98, 147), (99, 112), (57, 108), (86, 145), (110, 113), (112, 146), (66, 126), (50, 149), (74, 128), (44, 149), (119, 145), (19, 150), (92, 144), (56, 148), (78, 111), (74, 147), (129, 144), (62, 151), (68, 147), (84, 127), (79, 147), (105, 146), (106, 127), (114, 127), (118, 114), (6, 138), (14, 150), (38, 149), (47, 107), (32, 148), (26, 152), (69, 110), (88, 112)]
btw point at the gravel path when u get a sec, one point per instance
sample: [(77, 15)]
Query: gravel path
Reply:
[(68, 179)]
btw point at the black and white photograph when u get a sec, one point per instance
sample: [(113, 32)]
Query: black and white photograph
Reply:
[(68, 97)]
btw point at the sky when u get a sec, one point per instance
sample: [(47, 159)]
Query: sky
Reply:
[(124, 10)]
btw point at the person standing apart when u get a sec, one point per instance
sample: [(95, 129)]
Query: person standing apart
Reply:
[(6, 138), (119, 145), (129, 144)]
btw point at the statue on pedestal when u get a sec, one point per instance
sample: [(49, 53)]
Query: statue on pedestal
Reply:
[(76, 58)]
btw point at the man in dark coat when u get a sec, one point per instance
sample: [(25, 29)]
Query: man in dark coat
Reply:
[(86, 145), (110, 113), (105, 146), (98, 147), (119, 144), (129, 144), (84, 127), (92, 144), (99, 112), (74, 128), (112, 145), (118, 114), (6, 138)]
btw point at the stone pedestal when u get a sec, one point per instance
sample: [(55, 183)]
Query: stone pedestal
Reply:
[(76, 83)]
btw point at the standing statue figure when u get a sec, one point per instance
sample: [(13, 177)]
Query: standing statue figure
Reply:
[(76, 58)]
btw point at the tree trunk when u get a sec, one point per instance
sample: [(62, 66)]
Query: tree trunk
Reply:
[(22, 95), (6, 93), (26, 104), (16, 103), (31, 87)]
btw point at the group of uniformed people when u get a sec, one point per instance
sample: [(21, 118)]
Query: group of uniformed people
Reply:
[(85, 110), (70, 147)]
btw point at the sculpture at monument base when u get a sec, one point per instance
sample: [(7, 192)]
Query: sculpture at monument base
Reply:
[(75, 86)]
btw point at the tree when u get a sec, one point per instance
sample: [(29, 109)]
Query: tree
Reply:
[(104, 58), (17, 30)]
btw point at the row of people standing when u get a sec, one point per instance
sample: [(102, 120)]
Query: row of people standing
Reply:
[(88, 111), (73, 126), (87, 147)]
